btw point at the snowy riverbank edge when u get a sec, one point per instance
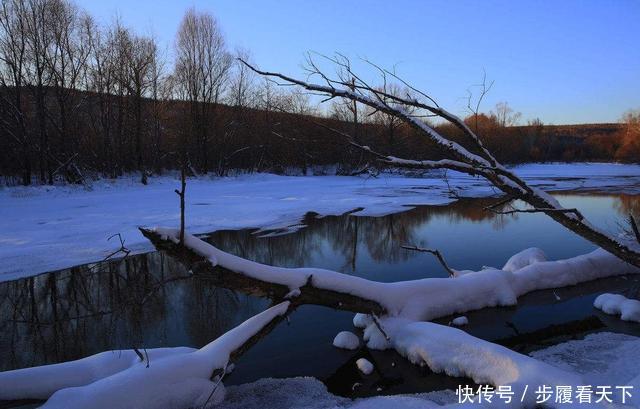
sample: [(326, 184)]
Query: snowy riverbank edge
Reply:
[(46, 228)]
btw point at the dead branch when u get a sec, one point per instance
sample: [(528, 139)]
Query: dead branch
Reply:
[(122, 248), (376, 321), (436, 253), (548, 210), (500, 203), (180, 193)]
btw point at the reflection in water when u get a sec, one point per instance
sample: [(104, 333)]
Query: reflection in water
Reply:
[(344, 237), (146, 300), (628, 204), (150, 300)]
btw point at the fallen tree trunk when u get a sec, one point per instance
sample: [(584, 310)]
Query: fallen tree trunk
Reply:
[(225, 277), (422, 299)]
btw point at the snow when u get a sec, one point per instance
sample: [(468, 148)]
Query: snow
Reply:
[(41, 382), (364, 366), (44, 228), (460, 321), (616, 304), (176, 380), (456, 353), (603, 358), (362, 320), (310, 393), (524, 258), (346, 340), (599, 359)]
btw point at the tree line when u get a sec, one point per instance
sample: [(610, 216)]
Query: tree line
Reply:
[(81, 99)]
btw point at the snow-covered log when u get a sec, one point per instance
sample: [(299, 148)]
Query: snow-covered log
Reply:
[(473, 158), (168, 378), (423, 299)]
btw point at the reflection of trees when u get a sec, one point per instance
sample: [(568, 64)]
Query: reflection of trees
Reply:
[(344, 235), (628, 204), (123, 304), (151, 300)]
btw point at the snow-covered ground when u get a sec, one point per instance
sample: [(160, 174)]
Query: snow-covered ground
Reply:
[(45, 228)]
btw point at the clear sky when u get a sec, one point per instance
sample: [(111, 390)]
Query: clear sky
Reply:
[(569, 61)]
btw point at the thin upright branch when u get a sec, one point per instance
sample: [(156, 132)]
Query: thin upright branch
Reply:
[(181, 193)]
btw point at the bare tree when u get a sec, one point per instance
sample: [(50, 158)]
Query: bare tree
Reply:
[(12, 79), (241, 89), (473, 158), (140, 54), (71, 47), (39, 37), (201, 71), (630, 147), (101, 80), (505, 115), (389, 123), (161, 90)]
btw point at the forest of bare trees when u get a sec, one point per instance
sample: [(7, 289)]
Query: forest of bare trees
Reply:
[(79, 99)]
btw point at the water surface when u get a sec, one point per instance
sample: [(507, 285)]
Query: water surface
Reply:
[(150, 300)]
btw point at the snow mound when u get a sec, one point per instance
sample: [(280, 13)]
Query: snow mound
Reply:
[(524, 258), (614, 304), (362, 320), (460, 321), (364, 366), (346, 340)]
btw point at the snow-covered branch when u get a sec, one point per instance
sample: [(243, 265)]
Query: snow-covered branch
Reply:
[(174, 377)]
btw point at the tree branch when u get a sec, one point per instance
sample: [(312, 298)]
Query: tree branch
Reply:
[(452, 272)]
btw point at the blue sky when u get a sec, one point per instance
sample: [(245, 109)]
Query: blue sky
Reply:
[(570, 61)]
